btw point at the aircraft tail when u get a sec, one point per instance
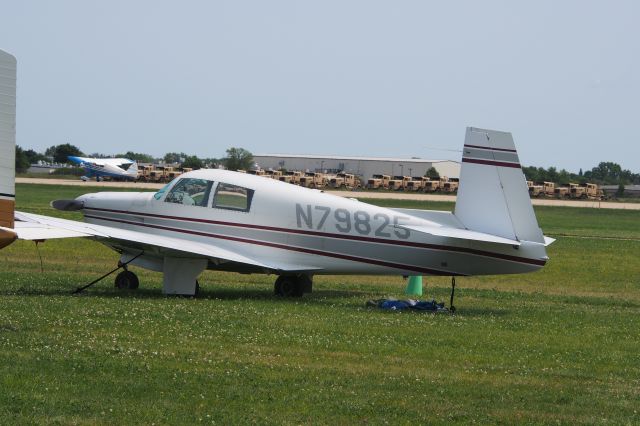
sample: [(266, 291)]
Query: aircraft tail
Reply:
[(132, 171), (493, 197), (7, 147)]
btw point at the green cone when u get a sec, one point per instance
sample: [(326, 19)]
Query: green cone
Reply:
[(414, 286)]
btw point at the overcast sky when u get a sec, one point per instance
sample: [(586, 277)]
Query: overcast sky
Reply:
[(392, 78)]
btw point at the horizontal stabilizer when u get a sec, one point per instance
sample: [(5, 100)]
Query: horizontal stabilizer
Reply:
[(462, 234)]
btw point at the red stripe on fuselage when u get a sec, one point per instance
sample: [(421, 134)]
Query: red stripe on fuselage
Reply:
[(491, 149), (287, 247), (491, 163)]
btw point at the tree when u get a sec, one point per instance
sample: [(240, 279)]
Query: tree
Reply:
[(238, 158), (432, 173), (60, 153), (22, 161), (34, 157), (193, 162), (137, 156), (211, 163), (174, 157)]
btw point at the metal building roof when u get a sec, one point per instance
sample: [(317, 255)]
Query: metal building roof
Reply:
[(336, 157)]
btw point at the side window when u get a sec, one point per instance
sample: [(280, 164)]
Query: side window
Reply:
[(190, 192), (232, 197)]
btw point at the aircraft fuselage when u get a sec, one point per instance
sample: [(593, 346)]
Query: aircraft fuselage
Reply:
[(317, 231)]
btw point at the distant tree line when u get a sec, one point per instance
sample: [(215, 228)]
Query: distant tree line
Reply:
[(237, 158), (606, 173)]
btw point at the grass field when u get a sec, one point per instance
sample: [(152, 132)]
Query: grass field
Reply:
[(558, 346)]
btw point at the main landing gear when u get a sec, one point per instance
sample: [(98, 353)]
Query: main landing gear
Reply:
[(292, 285), (127, 280)]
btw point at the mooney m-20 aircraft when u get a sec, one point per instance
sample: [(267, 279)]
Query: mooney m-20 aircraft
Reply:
[(118, 168), (223, 220)]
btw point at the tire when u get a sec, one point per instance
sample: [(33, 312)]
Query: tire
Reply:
[(288, 286), (127, 280)]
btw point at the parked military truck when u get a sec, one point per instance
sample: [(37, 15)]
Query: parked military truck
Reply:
[(563, 191), (398, 183), (432, 185), (144, 173), (378, 181), (416, 183), (313, 180), (549, 189), (535, 189), (594, 192), (273, 174), (577, 191), (342, 180), (160, 174), (451, 185), (291, 177)]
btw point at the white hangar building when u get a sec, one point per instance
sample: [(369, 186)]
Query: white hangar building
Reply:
[(364, 167)]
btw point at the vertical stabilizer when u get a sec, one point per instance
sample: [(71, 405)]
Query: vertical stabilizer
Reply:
[(133, 170), (7, 146), (493, 196)]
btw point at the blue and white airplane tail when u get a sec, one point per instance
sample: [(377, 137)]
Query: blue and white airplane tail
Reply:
[(132, 171), (493, 197)]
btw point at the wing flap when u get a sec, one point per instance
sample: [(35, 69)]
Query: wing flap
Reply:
[(39, 231)]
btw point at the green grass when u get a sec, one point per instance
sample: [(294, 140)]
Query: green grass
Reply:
[(557, 346), (48, 176)]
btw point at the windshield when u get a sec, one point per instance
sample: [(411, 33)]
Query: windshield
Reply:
[(161, 192)]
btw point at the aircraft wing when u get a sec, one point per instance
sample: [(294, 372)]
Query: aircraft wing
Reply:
[(29, 226)]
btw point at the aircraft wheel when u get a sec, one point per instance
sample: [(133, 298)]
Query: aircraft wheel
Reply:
[(127, 280), (286, 286)]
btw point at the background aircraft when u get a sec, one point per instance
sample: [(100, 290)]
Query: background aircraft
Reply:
[(223, 220), (119, 168)]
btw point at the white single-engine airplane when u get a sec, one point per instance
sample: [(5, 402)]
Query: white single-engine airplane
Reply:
[(118, 168), (223, 220)]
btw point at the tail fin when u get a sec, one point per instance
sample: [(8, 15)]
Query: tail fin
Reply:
[(133, 169), (7, 147), (493, 196)]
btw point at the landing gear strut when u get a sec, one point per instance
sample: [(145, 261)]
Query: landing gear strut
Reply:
[(452, 308), (129, 278), (292, 285)]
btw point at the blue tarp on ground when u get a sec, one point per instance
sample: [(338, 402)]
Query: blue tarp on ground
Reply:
[(415, 305)]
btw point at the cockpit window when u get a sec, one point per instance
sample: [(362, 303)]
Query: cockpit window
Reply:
[(190, 192), (161, 191), (232, 197)]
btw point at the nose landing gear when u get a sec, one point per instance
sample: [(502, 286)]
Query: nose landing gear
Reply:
[(127, 280)]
